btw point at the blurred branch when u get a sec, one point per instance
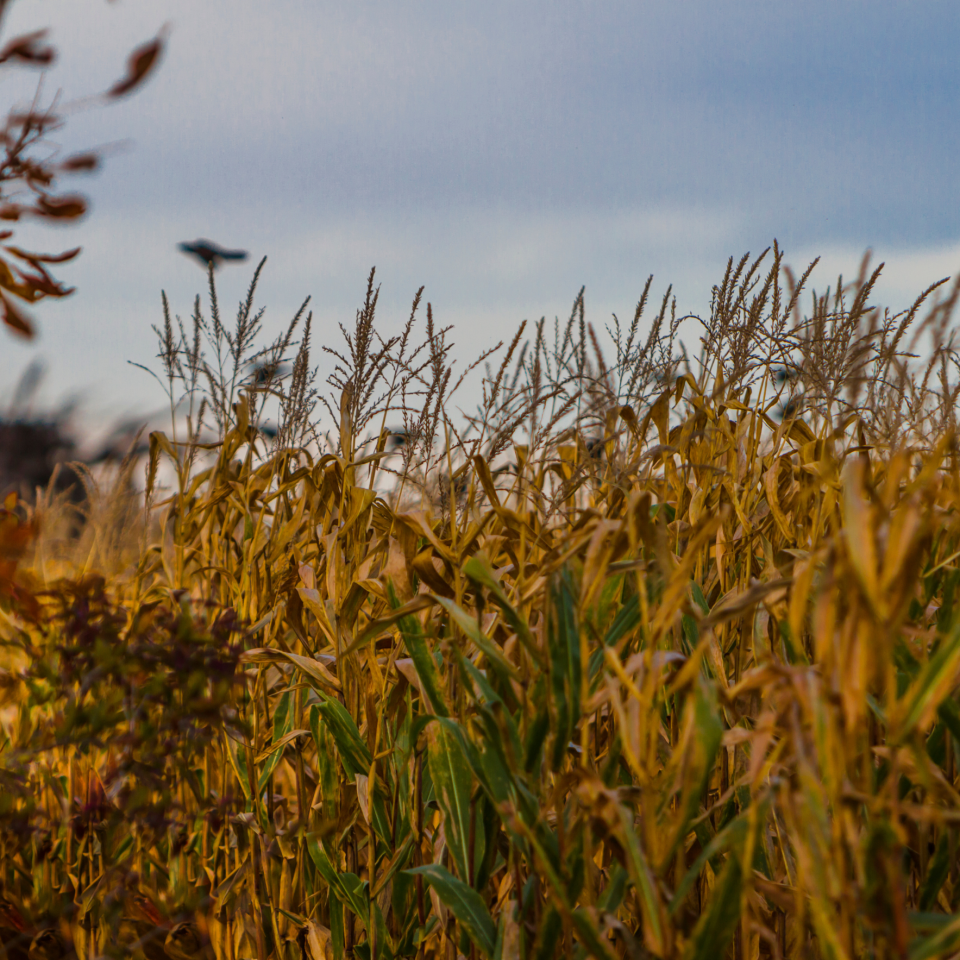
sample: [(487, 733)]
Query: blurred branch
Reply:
[(30, 172)]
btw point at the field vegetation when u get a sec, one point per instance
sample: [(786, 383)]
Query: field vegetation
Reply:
[(654, 654)]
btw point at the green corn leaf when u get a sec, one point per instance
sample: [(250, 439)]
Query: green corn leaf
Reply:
[(551, 927), (714, 929), (322, 862), (347, 887), (283, 716), (615, 890), (943, 935), (326, 760), (282, 725), (698, 598), (731, 836), (937, 870), (336, 928), (536, 735), (586, 925), (496, 721), (950, 715), (643, 881), (355, 895), (605, 608), (378, 814), (478, 569), (626, 621), (353, 751), (932, 684), (471, 628), (940, 944), (496, 775), (237, 755), (563, 640), (465, 904), (416, 645), (704, 746), (483, 684), (452, 783)]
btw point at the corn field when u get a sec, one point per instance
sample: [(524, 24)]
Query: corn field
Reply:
[(655, 656)]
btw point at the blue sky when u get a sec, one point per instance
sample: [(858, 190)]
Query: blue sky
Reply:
[(502, 154)]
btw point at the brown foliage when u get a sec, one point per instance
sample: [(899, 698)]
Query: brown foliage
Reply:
[(28, 167)]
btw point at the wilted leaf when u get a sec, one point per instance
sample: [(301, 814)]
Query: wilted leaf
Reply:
[(28, 49), (15, 318), (140, 65), (61, 208), (319, 945)]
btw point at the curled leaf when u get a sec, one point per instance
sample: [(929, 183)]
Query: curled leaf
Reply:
[(61, 208), (80, 163), (140, 64), (15, 319), (28, 49), (44, 257)]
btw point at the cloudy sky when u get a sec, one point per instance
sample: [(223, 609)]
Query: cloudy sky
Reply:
[(502, 154)]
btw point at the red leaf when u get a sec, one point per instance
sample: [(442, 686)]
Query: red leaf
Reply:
[(10, 915), (62, 208), (15, 320), (80, 163), (42, 285), (28, 49), (141, 62), (41, 257), (33, 120)]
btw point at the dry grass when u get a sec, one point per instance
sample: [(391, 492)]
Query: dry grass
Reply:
[(655, 657)]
